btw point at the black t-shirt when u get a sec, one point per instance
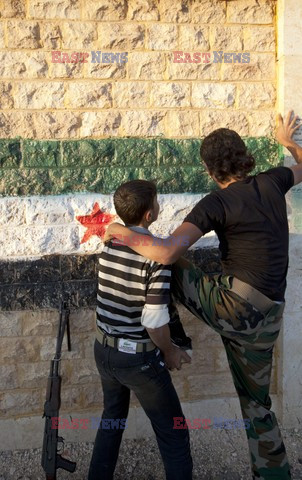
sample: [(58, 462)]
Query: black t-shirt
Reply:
[(250, 219)]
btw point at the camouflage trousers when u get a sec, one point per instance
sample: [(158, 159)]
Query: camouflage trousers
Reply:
[(248, 337)]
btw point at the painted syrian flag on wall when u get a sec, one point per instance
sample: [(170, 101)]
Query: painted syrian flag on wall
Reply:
[(56, 201), (57, 195)]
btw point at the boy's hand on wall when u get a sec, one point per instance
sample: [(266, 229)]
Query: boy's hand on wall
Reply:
[(286, 128)]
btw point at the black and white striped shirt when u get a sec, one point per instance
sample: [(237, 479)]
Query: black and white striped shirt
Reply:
[(133, 292)]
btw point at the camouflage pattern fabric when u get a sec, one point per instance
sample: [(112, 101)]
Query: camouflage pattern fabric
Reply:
[(248, 337)]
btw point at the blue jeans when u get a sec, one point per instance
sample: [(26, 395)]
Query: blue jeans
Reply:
[(145, 374)]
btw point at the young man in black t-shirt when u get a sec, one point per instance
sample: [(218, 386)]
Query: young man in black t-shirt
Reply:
[(244, 304)]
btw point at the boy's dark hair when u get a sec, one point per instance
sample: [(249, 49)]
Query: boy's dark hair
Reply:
[(132, 199), (225, 154)]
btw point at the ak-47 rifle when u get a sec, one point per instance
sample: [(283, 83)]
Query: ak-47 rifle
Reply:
[(51, 459)]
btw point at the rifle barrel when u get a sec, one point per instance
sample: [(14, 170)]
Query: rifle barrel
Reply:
[(68, 332)]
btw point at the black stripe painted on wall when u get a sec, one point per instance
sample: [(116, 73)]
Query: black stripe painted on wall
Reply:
[(40, 284)]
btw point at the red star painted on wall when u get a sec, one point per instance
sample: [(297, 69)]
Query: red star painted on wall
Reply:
[(95, 223)]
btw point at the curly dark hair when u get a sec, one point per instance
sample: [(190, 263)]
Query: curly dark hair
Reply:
[(226, 155), (132, 199)]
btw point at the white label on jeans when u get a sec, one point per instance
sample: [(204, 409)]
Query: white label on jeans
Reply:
[(126, 346)]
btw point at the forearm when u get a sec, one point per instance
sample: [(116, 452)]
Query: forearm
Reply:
[(295, 150), (161, 338), (161, 250), (164, 251)]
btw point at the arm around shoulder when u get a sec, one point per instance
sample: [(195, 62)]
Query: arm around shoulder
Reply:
[(179, 242), (164, 251)]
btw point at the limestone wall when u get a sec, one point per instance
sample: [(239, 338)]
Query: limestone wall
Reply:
[(149, 95)]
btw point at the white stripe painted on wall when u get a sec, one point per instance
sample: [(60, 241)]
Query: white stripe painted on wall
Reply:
[(31, 227)]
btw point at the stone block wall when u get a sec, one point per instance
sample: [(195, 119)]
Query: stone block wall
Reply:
[(149, 95), (70, 133)]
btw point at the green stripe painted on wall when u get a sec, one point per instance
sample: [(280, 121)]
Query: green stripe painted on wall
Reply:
[(37, 167)]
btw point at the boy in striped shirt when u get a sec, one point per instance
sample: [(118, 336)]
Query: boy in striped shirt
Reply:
[(133, 349)]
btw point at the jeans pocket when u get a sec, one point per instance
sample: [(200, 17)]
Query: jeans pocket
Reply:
[(157, 364), (148, 370)]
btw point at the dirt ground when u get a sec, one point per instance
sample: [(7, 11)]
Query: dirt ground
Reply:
[(217, 455)]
